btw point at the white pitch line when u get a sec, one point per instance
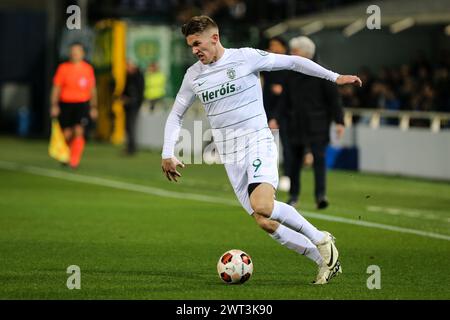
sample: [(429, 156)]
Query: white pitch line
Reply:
[(377, 225), (113, 183), (196, 197), (410, 213)]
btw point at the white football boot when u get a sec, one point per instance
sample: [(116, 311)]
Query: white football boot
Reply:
[(330, 266)]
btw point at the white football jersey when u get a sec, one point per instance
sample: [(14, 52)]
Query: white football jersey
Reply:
[(230, 91)]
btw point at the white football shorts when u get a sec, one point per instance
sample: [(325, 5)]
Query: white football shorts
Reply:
[(260, 164)]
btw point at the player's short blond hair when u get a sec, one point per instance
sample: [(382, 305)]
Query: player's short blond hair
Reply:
[(305, 44)]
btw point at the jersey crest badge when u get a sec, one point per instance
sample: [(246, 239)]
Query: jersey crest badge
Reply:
[(231, 73)]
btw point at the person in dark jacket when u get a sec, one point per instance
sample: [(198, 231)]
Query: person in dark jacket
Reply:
[(272, 90), (310, 104), (133, 96)]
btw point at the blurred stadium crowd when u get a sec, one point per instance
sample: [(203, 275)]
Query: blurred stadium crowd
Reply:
[(223, 11), (420, 85)]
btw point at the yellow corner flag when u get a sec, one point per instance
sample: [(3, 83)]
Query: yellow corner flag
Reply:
[(58, 148)]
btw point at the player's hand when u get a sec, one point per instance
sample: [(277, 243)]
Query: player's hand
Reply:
[(55, 111), (169, 167), (349, 80), (340, 129)]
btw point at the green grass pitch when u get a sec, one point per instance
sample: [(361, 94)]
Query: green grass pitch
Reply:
[(131, 244)]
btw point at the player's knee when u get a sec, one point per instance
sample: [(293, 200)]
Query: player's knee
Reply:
[(262, 199), (263, 208), (265, 223)]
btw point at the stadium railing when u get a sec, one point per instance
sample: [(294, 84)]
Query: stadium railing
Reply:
[(375, 117)]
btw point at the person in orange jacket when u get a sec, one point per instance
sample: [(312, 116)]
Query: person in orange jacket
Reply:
[(74, 100)]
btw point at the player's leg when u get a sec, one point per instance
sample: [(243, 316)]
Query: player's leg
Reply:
[(262, 177), (290, 217), (287, 216), (262, 203), (254, 186), (294, 231), (320, 248)]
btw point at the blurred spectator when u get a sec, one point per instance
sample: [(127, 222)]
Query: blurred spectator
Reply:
[(423, 101), (367, 78), (226, 10), (273, 82), (185, 11), (272, 90), (155, 85), (406, 92), (349, 98), (417, 86), (442, 81), (420, 67), (392, 102), (377, 95), (311, 104), (243, 11), (133, 96), (427, 99)]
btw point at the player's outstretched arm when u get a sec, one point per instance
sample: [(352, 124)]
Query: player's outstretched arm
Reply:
[(309, 67), (183, 101), (274, 62)]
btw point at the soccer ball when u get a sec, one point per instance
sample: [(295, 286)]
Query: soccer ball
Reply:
[(235, 266)]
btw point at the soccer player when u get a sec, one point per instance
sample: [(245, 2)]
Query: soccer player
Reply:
[(74, 99), (227, 83)]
